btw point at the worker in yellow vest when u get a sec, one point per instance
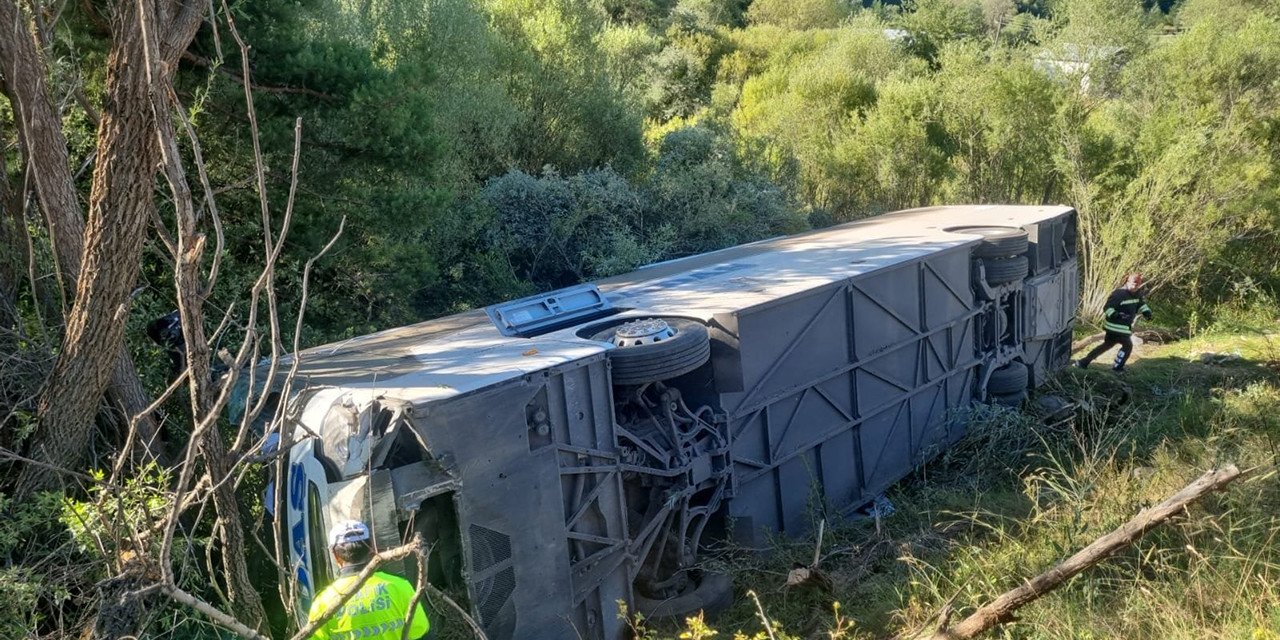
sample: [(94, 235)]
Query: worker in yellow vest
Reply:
[(377, 610)]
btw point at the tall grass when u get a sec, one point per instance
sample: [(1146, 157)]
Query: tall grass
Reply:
[(1021, 493)]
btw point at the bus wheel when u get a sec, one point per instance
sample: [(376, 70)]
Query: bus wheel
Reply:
[(997, 242), (1009, 379), (713, 596), (1005, 270), (654, 349), (1010, 399)]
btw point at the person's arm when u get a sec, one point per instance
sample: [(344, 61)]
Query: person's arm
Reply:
[(1144, 309), (420, 627), (1113, 301)]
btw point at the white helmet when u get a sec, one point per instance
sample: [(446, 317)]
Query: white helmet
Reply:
[(348, 531)]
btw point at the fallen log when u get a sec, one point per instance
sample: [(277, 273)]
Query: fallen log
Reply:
[(1086, 341), (1001, 610), (1152, 336)]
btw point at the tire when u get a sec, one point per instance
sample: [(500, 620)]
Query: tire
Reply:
[(1011, 378), (997, 242), (1010, 399), (683, 352), (713, 596), (1005, 270)]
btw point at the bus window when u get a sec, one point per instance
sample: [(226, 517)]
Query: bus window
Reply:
[(320, 574)]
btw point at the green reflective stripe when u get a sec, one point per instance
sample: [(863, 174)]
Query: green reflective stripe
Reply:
[(1132, 301), (1144, 309), (1108, 312), (1117, 328)]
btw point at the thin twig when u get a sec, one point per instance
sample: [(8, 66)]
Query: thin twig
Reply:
[(466, 617), (6, 454), (764, 620), (817, 549), (134, 420), (421, 557)]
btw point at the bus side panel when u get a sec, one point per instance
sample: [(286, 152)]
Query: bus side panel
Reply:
[(847, 388), (523, 454)]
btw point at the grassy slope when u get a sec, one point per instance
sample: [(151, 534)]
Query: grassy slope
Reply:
[(1018, 495)]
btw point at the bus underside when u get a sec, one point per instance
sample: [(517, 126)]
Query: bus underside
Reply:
[(551, 496)]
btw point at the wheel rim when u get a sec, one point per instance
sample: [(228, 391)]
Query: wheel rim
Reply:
[(644, 331)]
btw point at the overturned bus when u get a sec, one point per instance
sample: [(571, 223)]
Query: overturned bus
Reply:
[(573, 450)]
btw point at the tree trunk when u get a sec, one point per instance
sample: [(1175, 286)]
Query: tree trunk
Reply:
[(27, 79), (45, 149), (13, 246), (121, 206)]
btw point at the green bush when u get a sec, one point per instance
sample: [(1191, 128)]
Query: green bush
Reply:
[(798, 14)]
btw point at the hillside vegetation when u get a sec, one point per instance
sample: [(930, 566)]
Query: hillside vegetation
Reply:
[(290, 173), (486, 149)]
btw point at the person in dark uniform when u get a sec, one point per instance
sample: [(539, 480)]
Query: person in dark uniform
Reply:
[(166, 331), (1123, 307)]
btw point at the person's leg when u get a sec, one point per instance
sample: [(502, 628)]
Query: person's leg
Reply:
[(1122, 356), (1107, 343)]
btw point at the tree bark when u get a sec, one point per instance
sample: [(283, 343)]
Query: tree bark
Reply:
[(121, 206), (1001, 610), (27, 79), (45, 148), (13, 245)]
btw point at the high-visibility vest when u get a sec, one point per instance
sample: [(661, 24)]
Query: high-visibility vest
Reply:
[(376, 611)]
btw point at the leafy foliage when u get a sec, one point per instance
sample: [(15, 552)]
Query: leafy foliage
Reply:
[(798, 14), (480, 150), (445, 129), (554, 230)]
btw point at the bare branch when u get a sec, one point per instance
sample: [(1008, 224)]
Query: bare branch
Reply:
[(133, 422), (421, 556), (6, 454), (764, 620), (214, 615), (211, 204), (471, 622), (239, 79)]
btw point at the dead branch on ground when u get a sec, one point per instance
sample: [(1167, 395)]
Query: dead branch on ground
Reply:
[(1086, 341), (1002, 609)]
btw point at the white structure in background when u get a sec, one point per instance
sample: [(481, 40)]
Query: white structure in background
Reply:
[(1084, 64), (897, 35)]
